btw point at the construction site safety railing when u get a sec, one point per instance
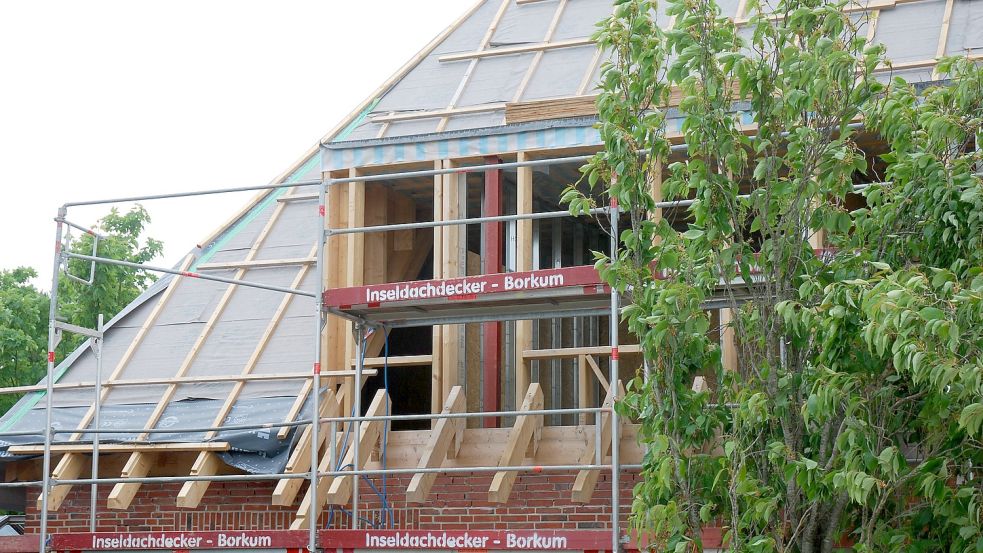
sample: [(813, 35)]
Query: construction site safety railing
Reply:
[(96, 338), (323, 184)]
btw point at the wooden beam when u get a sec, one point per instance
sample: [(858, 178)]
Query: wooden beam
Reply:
[(119, 448), (437, 347), (523, 263), (445, 440), (354, 262), (300, 459), (583, 486), (257, 264), (207, 464), (522, 438), (369, 432), (570, 353), (69, 467), (435, 113), (943, 34), (512, 50), (584, 389), (138, 466), (728, 344), (597, 372), (397, 361)]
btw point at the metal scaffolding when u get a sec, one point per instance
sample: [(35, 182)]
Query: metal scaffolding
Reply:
[(56, 327)]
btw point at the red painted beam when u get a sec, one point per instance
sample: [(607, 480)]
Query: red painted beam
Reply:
[(491, 255)]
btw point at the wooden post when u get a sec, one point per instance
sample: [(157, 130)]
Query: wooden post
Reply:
[(523, 262), (436, 372), (355, 274)]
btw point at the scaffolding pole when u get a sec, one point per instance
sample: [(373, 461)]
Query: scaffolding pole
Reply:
[(97, 418)]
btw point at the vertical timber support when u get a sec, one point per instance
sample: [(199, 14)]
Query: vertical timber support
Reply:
[(355, 276), (523, 262), (492, 258)]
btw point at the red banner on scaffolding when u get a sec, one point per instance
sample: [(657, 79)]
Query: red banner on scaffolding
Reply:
[(180, 541), (463, 288), (467, 540)]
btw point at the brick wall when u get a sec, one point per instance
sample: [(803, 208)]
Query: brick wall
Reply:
[(458, 501)]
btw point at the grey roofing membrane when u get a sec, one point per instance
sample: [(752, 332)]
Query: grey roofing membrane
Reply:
[(910, 30)]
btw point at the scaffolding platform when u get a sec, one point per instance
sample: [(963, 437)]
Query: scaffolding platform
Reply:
[(542, 294)]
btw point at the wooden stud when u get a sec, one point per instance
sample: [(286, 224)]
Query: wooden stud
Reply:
[(369, 433), (522, 438), (728, 344), (584, 389), (354, 261), (943, 35), (445, 438), (523, 263), (436, 373), (453, 245)]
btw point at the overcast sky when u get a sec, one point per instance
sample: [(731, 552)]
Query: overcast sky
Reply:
[(115, 98)]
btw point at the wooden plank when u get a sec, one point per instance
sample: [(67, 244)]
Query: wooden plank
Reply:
[(435, 113), (446, 433), (570, 353), (512, 50), (728, 344), (522, 437), (584, 389), (583, 486), (597, 372), (258, 264), (943, 34), (138, 466), (454, 246), (300, 459), (555, 108), (397, 361), (369, 432), (119, 448)]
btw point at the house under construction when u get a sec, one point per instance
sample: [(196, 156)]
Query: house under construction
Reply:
[(416, 270)]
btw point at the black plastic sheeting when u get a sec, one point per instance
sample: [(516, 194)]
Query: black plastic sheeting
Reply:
[(256, 451)]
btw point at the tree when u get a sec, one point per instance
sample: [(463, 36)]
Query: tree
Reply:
[(24, 309), (114, 286), (23, 331), (856, 405)]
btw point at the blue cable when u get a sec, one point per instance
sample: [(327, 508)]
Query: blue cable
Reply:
[(387, 511)]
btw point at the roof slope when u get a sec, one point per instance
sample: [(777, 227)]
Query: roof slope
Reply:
[(500, 52)]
